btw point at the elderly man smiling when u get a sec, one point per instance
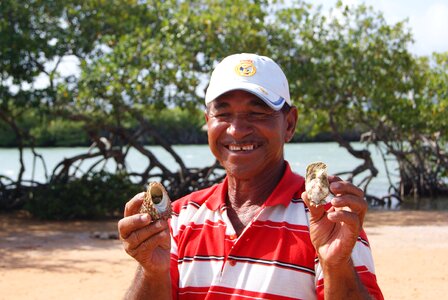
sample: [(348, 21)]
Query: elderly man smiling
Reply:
[(253, 236)]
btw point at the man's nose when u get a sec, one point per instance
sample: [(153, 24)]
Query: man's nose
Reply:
[(239, 126)]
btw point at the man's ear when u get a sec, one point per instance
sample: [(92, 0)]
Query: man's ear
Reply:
[(291, 122)]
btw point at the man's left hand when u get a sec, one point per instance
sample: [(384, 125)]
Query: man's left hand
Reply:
[(334, 232)]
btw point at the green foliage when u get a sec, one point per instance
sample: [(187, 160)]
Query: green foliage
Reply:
[(350, 65), (7, 136), (179, 126), (98, 195), (60, 133), (144, 65), (436, 95), (46, 130)]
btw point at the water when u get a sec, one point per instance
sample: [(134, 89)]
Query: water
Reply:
[(298, 155)]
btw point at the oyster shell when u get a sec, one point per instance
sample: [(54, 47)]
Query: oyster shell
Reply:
[(157, 203), (316, 183)]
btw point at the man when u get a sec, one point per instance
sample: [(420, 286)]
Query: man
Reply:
[(254, 236)]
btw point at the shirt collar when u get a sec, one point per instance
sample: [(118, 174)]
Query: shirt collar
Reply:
[(291, 186), (218, 198)]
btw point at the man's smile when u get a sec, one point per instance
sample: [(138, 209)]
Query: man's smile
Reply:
[(242, 147)]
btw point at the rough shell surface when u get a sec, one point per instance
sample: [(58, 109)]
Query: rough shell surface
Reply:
[(157, 203), (316, 183)]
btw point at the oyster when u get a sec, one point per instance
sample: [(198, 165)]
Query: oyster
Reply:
[(316, 183), (157, 203)]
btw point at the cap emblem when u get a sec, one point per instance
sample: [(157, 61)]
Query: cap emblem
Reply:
[(245, 68)]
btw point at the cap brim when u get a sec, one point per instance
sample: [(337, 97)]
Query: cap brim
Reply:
[(273, 100)]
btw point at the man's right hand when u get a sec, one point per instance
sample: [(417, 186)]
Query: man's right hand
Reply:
[(147, 242)]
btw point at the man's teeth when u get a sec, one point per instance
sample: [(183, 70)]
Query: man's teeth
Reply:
[(241, 148)]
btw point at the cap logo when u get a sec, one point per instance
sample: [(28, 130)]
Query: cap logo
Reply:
[(245, 68)]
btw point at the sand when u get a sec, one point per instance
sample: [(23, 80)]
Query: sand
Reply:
[(60, 260)]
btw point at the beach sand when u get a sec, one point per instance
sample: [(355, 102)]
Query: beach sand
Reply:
[(60, 260)]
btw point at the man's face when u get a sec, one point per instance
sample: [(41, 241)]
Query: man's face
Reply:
[(246, 135)]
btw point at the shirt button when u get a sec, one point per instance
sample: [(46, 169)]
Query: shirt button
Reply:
[(232, 237), (232, 263)]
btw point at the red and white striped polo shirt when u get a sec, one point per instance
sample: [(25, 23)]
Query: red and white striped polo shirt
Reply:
[(273, 258)]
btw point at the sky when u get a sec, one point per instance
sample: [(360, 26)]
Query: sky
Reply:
[(428, 20)]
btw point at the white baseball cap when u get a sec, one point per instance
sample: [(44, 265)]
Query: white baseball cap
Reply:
[(255, 74)]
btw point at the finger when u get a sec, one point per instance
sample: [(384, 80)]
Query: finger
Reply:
[(162, 239), (317, 212), (138, 237), (333, 178), (352, 203), (339, 187), (346, 217), (356, 204), (133, 206), (157, 239), (127, 225)]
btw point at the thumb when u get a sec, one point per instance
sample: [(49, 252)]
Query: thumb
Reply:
[(317, 212)]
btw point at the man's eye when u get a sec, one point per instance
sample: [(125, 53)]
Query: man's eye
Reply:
[(222, 115), (258, 115)]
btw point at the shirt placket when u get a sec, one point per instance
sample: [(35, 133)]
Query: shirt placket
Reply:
[(229, 260)]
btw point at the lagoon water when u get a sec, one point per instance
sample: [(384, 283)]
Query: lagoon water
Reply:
[(299, 156)]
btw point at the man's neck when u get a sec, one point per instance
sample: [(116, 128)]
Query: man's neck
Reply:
[(253, 191), (245, 197)]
